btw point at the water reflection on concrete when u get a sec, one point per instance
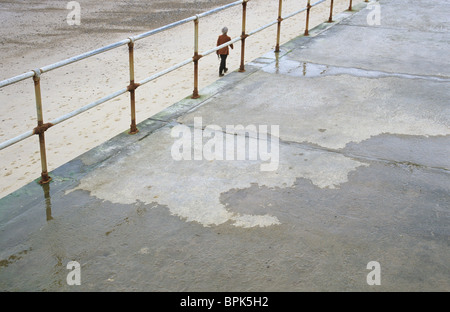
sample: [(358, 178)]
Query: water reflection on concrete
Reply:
[(48, 201), (287, 66)]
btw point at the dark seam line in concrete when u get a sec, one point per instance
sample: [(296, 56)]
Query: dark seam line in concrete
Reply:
[(394, 28), (315, 147), (224, 132), (147, 135), (364, 158), (159, 120), (376, 74)]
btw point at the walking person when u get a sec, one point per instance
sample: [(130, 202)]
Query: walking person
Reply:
[(224, 52)]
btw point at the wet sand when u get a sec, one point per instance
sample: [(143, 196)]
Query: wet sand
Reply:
[(37, 34)]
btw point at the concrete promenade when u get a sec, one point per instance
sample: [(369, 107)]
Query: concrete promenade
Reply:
[(357, 170)]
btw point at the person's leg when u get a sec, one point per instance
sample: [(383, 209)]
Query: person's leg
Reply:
[(223, 58), (225, 69), (222, 67)]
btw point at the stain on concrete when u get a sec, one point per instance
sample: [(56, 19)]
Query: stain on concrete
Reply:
[(191, 188)]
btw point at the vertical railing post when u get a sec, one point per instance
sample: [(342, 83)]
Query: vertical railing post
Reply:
[(132, 87), (350, 6), (308, 8), (280, 19), (196, 57), (330, 20), (41, 128), (243, 35)]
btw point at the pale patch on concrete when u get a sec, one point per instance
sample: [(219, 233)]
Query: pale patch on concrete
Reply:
[(327, 109), (191, 188), (248, 221), (144, 251)]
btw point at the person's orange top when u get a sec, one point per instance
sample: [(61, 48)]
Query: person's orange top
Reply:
[(221, 40)]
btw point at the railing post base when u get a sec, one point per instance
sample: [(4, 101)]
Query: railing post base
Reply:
[(45, 178), (330, 19), (195, 95), (280, 19), (133, 129)]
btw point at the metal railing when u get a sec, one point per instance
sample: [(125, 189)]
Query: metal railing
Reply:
[(131, 88)]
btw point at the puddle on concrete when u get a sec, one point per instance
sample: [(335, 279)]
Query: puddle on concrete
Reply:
[(142, 246), (286, 66)]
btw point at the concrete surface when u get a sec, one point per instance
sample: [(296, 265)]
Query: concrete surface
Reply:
[(362, 174)]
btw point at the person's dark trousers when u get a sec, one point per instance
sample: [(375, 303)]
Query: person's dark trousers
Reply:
[(223, 63)]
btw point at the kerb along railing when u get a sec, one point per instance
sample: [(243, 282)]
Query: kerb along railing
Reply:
[(35, 74)]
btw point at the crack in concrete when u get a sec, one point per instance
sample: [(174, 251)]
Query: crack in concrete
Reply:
[(316, 147), (392, 28), (365, 158)]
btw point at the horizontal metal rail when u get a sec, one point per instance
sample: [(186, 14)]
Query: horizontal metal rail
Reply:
[(88, 107), (35, 74), (17, 139), (166, 71), (15, 79)]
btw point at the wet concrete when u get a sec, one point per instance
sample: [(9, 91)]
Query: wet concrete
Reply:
[(363, 175), (406, 32)]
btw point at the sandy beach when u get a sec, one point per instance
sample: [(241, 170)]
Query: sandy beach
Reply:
[(37, 34)]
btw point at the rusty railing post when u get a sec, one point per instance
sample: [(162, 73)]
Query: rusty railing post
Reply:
[(308, 8), (41, 128), (243, 35), (280, 19), (350, 6), (196, 57), (330, 20), (132, 87)]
